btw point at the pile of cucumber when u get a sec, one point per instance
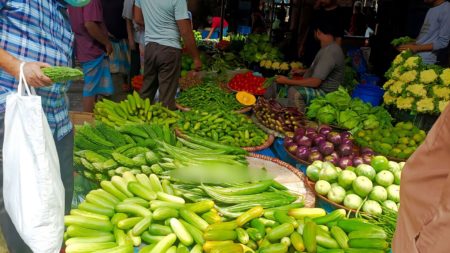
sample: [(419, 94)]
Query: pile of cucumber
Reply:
[(146, 212)]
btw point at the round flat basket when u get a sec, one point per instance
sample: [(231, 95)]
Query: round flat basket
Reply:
[(311, 186), (263, 146), (301, 161), (285, 174), (266, 129), (186, 109)]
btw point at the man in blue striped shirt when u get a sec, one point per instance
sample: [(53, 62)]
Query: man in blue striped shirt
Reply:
[(38, 33)]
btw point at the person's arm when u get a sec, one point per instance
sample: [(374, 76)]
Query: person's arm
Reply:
[(95, 31), (32, 70), (310, 82), (338, 41), (130, 33), (189, 42), (211, 31), (138, 17), (440, 42)]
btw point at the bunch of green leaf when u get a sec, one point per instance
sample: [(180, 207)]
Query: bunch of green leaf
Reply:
[(340, 99), (327, 114), (350, 76), (348, 119), (315, 106), (401, 41), (258, 48)]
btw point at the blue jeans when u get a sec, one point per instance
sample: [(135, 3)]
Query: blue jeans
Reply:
[(64, 148)]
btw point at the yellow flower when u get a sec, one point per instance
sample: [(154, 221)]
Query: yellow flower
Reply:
[(268, 64), (388, 98), (442, 105), (262, 63), (396, 73), (425, 105), (276, 65), (405, 103), (428, 76), (417, 90), (398, 60), (284, 66), (397, 87), (445, 77), (388, 84), (412, 62), (408, 76), (441, 92)]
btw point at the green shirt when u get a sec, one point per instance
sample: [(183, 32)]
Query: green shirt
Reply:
[(160, 18)]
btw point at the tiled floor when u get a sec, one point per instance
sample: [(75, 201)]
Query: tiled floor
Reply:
[(75, 99)]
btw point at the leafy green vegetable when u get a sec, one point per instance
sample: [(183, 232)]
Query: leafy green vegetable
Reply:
[(360, 107), (315, 106), (371, 122), (327, 114), (340, 99), (401, 41), (348, 119)]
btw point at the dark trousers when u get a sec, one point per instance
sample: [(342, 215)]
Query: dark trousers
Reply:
[(135, 64), (162, 68), (64, 148)]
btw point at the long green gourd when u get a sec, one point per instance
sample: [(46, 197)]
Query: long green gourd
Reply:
[(62, 74)]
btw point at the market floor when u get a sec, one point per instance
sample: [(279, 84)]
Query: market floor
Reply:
[(75, 99)]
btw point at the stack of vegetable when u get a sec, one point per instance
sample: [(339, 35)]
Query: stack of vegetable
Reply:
[(62, 74), (133, 210), (248, 82), (208, 96), (338, 108), (258, 48), (222, 126), (397, 142), (221, 62), (277, 117), (365, 186), (102, 151), (133, 110), (309, 145), (417, 87), (272, 68)]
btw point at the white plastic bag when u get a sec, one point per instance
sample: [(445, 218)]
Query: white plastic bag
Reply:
[(32, 187)]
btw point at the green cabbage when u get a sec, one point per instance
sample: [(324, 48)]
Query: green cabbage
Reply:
[(314, 107), (360, 107), (348, 119), (340, 99), (327, 114), (371, 122)]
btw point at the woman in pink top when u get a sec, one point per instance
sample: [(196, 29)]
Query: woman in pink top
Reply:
[(215, 23)]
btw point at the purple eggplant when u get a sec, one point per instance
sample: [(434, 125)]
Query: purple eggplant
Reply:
[(300, 131), (324, 129), (334, 138), (303, 152), (357, 161), (288, 141), (331, 159), (326, 148), (319, 138), (345, 149), (303, 141), (345, 162), (346, 135), (314, 156), (367, 158), (367, 151)]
